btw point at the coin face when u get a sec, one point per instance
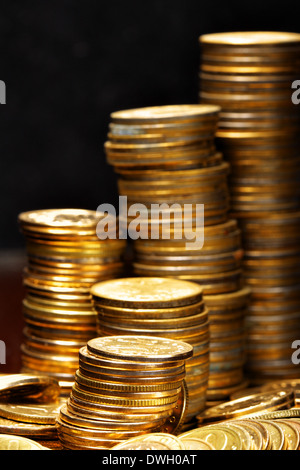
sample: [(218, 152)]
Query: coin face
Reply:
[(194, 443), (218, 436), (154, 441), (8, 442), (142, 348), (146, 292)]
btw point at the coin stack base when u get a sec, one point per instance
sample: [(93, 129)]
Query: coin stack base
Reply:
[(124, 387)]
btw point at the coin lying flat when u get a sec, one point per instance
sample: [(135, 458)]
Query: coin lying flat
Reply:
[(140, 348), (8, 442), (40, 388), (39, 413), (248, 405), (154, 292)]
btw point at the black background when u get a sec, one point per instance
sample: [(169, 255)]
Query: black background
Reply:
[(68, 64)]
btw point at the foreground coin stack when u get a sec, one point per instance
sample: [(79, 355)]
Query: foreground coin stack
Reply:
[(250, 75), (65, 258), (125, 386), (169, 308)]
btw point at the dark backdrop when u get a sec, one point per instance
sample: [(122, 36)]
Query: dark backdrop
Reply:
[(68, 64)]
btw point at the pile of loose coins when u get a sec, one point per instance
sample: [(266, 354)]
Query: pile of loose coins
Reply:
[(259, 420), (250, 76), (125, 386), (65, 258), (164, 307), (29, 407)]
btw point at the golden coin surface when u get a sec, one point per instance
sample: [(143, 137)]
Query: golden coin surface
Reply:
[(170, 441), (219, 436), (194, 443), (17, 428), (149, 292), (161, 113), (256, 436), (40, 388), (245, 38), (140, 348), (255, 403), (60, 218), (39, 413), (8, 442), (291, 433), (279, 414), (276, 434)]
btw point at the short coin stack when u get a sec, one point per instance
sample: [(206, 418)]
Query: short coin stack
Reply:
[(169, 308), (250, 75), (65, 257), (125, 386)]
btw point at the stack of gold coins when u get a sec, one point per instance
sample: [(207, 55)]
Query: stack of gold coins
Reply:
[(271, 268), (215, 266), (176, 240), (227, 313), (162, 137), (65, 258), (251, 76), (125, 386), (152, 306)]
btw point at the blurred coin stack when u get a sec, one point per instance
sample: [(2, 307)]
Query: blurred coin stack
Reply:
[(250, 76), (65, 258), (162, 307), (179, 253), (125, 386)]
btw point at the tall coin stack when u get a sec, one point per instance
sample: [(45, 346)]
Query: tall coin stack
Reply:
[(125, 386), (65, 258), (250, 76), (148, 173), (163, 307)]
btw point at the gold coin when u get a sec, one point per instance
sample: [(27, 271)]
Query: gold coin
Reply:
[(39, 413), (255, 403), (8, 442), (170, 441), (250, 38), (194, 443), (291, 433), (40, 388), (255, 433), (169, 113), (61, 221), (30, 430), (219, 436), (146, 292), (140, 348), (279, 414), (277, 437)]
